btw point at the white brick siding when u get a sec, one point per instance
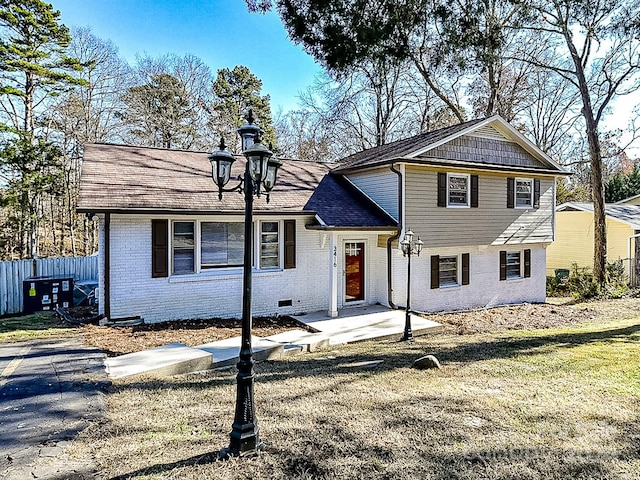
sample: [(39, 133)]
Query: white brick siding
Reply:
[(485, 288), (219, 293)]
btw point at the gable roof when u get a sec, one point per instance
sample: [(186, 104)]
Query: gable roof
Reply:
[(120, 178), (422, 150), (628, 214), (339, 204)]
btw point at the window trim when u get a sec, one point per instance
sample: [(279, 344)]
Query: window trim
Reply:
[(200, 271), (525, 264), (531, 193), (467, 203), (462, 270), (196, 247), (259, 245)]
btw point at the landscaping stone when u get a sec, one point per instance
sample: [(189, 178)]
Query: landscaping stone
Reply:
[(426, 362)]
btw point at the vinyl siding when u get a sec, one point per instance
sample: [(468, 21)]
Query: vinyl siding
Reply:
[(492, 223), (381, 185), (574, 241)]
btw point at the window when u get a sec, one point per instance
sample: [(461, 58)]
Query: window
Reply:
[(221, 244), (183, 247), (524, 193), (448, 267), (457, 190), (515, 265), (269, 245), (450, 270), (193, 246)]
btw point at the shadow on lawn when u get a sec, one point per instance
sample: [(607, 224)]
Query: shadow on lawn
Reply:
[(508, 347), (428, 453), (394, 355)]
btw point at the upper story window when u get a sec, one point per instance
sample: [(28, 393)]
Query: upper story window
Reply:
[(524, 193), (457, 190)]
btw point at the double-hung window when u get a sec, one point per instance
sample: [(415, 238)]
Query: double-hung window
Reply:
[(183, 247), (457, 190), (269, 245), (449, 270), (524, 193), (515, 264)]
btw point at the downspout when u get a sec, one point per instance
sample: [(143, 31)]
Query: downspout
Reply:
[(107, 265), (391, 239)]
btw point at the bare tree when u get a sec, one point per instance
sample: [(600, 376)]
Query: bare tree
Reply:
[(597, 51)]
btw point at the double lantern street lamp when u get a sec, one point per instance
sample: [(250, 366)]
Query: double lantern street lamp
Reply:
[(409, 248), (259, 176)]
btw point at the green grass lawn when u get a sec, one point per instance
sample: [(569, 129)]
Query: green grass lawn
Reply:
[(543, 404), (31, 327)]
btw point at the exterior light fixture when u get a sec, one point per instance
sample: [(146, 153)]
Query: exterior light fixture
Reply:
[(409, 248), (261, 169)]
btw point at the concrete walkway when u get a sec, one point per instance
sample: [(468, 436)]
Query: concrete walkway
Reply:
[(352, 325)]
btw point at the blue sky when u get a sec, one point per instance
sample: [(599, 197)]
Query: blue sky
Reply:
[(220, 32)]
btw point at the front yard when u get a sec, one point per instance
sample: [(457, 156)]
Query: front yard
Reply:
[(549, 403)]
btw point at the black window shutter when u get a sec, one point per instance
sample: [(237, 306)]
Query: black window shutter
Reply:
[(474, 191), (465, 269), (159, 248), (503, 264), (442, 189), (435, 271), (536, 193), (289, 244), (511, 185), (527, 263)]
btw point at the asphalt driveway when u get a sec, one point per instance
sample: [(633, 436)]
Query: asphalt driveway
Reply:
[(49, 391)]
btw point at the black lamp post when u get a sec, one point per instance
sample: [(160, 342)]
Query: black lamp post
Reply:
[(409, 248), (259, 176)]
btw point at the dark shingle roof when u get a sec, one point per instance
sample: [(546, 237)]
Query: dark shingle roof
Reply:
[(339, 204), (128, 178)]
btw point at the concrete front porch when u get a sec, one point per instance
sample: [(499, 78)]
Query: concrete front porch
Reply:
[(365, 322)]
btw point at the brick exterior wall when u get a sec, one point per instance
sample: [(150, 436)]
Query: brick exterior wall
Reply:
[(485, 288), (219, 293)]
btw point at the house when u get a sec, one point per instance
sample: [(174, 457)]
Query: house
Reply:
[(479, 195), (574, 235)]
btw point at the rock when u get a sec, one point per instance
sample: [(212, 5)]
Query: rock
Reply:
[(428, 361)]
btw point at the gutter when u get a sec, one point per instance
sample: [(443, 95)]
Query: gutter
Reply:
[(391, 239)]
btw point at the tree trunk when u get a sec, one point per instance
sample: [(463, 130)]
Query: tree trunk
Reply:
[(595, 154)]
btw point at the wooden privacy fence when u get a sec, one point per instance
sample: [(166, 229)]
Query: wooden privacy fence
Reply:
[(14, 272)]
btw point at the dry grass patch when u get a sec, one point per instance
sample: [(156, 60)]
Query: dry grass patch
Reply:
[(543, 404)]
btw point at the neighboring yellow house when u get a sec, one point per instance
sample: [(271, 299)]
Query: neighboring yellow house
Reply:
[(574, 235)]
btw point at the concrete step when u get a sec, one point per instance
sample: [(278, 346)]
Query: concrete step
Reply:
[(171, 359)]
